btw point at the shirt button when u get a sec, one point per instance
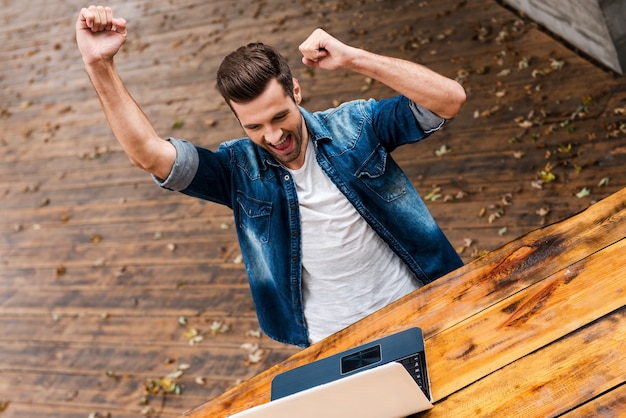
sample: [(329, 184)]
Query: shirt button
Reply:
[(286, 177)]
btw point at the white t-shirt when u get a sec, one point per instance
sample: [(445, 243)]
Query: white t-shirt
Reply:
[(348, 271)]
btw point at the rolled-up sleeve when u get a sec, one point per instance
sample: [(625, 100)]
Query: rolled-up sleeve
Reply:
[(428, 121), (184, 168)]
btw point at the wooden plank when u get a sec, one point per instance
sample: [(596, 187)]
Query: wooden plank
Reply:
[(528, 320), (118, 208), (20, 410), (145, 252), (153, 360), (178, 218), (161, 276), (610, 404), (550, 381), (111, 329), (117, 301)]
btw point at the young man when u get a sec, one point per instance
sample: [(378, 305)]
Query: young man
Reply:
[(329, 226)]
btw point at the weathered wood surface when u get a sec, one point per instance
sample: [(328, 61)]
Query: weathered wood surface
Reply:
[(98, 266), (533, 329)]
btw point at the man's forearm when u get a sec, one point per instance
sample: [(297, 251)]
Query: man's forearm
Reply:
[(425, 87), (441, 95), (129, 124)]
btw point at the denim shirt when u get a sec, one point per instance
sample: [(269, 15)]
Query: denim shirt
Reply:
[(352, 143)]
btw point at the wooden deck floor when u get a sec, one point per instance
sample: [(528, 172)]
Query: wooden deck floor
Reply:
[(105, 279)]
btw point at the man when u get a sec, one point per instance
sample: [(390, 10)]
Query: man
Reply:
[(329, 226)]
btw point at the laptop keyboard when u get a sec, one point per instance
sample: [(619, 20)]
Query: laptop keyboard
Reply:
[(415, 364)]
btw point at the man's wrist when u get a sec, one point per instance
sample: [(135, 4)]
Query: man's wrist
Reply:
[(100, 68)]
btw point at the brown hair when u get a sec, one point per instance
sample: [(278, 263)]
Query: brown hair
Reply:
[(245, 73)]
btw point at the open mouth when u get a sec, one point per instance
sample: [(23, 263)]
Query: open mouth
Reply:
[(284, 144)]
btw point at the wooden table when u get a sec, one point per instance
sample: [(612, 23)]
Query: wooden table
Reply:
[(536, 328)]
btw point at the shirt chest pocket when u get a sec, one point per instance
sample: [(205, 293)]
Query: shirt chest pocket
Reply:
[(382, 175), (254, 217)]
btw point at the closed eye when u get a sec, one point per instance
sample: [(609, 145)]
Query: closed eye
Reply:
[(280, 116), (277, 118)]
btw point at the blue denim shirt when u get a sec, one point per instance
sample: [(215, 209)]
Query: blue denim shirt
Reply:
[(353, 143)]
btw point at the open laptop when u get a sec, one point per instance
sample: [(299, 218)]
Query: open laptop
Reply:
[(384, 378)]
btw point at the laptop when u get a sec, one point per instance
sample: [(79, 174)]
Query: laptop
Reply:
[(385, 378)]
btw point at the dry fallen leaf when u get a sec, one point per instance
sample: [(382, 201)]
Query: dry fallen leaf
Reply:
[(193, 337), (434, 194), (147, 411), (556, 64), (544, 211), (256, 356), (443, 150), (60, 270), (100, 262), (583, 193), (467, 243), (255, 353), (218, 327), (537, 184), (256, 333), (546, 175), (99, 415)]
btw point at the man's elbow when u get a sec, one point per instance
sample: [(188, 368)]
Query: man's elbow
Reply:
[(456, 100), (150, 166), (157, 159), (138, 163)]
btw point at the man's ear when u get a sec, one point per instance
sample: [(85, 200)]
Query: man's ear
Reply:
[(297, 91)]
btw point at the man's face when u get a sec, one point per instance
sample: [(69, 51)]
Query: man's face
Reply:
[(274, 122)]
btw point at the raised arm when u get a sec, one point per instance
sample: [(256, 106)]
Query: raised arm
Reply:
[(99, 36), (441, 95)]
